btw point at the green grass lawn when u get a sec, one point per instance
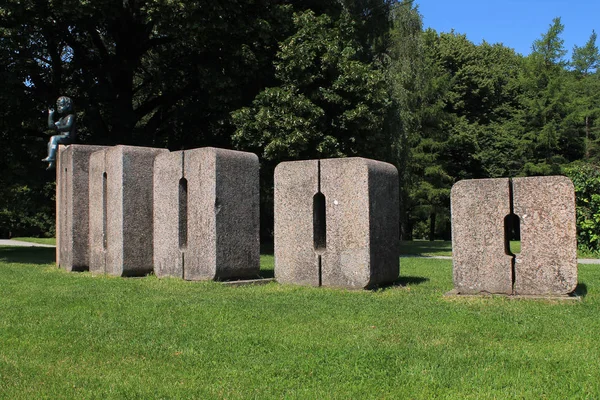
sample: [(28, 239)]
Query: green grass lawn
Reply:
[(437, 248), (444, 248), (416, 247), (426, 248), (76, 335), (36, 240)]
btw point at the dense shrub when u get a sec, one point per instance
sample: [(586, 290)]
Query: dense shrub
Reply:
[(586, 178)]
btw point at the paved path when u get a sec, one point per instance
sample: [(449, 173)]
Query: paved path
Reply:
[(579, 261), (7, 242)]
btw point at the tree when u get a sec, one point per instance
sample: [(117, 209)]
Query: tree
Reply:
[(545, 100), (469, 94), (405, 74), (550, 47), (329, 104), (158, 73), (330, 101), (586, 59), (585, 92), (135, 66)]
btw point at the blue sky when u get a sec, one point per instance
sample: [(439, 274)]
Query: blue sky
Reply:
[(514, 23)]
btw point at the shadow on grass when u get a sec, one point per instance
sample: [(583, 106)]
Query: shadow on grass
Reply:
[(581, 290), (27, 255), (401, 282), (267, 273), (410, 280)]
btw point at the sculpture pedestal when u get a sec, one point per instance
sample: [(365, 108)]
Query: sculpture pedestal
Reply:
[(72, 207)]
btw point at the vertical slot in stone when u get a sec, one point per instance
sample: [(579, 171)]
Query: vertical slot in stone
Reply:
[(183, 213), (319, 223), (319, 229), (104, 209), (512, 234), (512, 230)]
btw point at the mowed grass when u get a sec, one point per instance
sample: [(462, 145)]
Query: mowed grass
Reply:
[(76, 335), (51, 241), (427, 248), (417, 247)]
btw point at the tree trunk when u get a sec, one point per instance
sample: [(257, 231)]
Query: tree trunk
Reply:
[(431, 227)]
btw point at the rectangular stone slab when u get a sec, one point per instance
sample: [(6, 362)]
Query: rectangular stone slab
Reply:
[(222, 235), (361, 223), (296, 261), (480, 261), (121, 223), (72, 206), (98, 221), (547, 263)]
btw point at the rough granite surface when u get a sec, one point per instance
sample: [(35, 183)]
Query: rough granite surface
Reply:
[(168, 256), (361, 200), (547, 263), (296, 261), (480, 262), (97, 203), (222, 235), (72, 207), (121, 237)]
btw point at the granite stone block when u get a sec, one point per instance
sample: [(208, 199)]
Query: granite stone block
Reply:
[(72, 207), (336, 223), (547, 263), (480, 261), (121, 220), (207, 214), (296, 261)]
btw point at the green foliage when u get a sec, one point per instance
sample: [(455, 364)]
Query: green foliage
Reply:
[(584, 87), (156, 73), (330, 102), (468, 94), (291, 80), (23, 211), (549, 49), (405, 75), (587, 58), (586, 179)]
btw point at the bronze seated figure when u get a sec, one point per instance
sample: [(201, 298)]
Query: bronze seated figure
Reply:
[(65, 126)]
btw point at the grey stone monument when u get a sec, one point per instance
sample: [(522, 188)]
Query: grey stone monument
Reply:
[(72, 206), (121, 210), (336, 223), (206, 214), (482, 262), (547, 263)]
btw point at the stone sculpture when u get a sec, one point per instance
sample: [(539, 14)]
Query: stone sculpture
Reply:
[(72, 207), (121, 210), (482, 262), (65, 126), (206, 214), (336, 223)]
